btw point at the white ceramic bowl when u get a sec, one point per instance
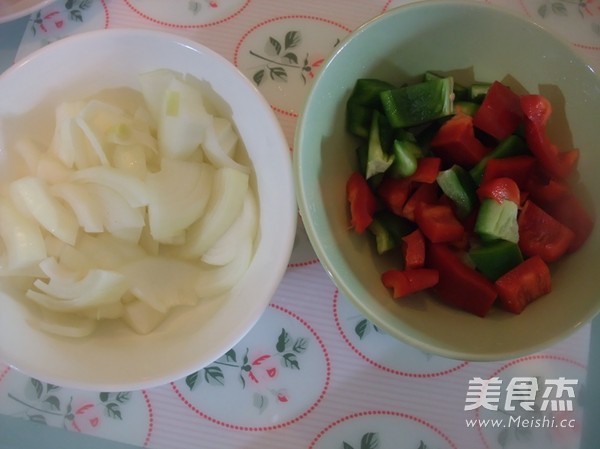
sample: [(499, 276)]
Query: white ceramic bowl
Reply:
[(16, 9), (115, 358), (482, 43)]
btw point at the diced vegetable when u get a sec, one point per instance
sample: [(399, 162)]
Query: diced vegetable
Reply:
[(460, 285), (537, 111), (500, 189), (495, 258), (463, 182), (524, 284), (363, 100), (362, 202), (457, 184), (513, 145), (497, 221), (418, 103), (413, 250), (500, 112), (438, 223), (541, 234), (456, 143), (378, 158), (394, 193), (405, 282)]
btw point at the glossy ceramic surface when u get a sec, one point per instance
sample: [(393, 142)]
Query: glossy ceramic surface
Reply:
[(474, 42), (116, 358)]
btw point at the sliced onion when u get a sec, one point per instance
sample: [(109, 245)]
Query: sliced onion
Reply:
[(34, 196), (182, 120), (178, 195), (215, 281), (224, 206), (141, 317), (227, 246), (216, 153), (63, 324), (119, 218), (131, 188), (162, 282), (85, 205), (98, 287), (22, 237)]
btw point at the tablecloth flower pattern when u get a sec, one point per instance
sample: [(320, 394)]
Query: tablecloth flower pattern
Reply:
[(313, 373)]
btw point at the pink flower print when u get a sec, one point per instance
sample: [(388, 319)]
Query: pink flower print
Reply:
[(84, 418), (309, 68), (263, 369), (282, 395)]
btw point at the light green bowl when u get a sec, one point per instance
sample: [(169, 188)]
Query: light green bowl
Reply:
[(477, 42)]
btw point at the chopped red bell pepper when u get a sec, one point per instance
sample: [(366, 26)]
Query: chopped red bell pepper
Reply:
[(455, 142), (500, 112), (405, 282), (363, 202), (460, 285), (394, 192), (537, 110), (519, 168), (423, 193), (570, 212), (427, 170), (413, 250), (524, 284), (542, 235), (500, 189), (438, 223), (544, 190)]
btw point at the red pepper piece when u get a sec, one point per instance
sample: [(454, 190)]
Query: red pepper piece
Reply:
[(413, 250), (362, 202), (500, 189), (537, 110), (423, 193), (427, 170), (570, 212), (460, 285), (544, 191), (455, 142), (542, 235), (500, 112), (405, 282), (438, 223), (518, 168), (524, 284), (394, 192)]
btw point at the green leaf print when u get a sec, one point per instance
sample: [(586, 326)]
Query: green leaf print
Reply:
[(214, 375), (369, 440), (275, 45), (193, 380), (282, 341), (290, 360)]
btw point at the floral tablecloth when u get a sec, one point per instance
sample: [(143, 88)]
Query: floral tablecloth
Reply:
[(314, 373)]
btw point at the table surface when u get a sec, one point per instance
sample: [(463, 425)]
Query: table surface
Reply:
[(352, 386)]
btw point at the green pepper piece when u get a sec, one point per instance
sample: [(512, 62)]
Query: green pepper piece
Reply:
[(513, 145), (406, 155), (419, 103), (388, 230), (460, 92), (497, 221), (478, 91), (363, 100), (456, 183), (496, 258), (378, 158)]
